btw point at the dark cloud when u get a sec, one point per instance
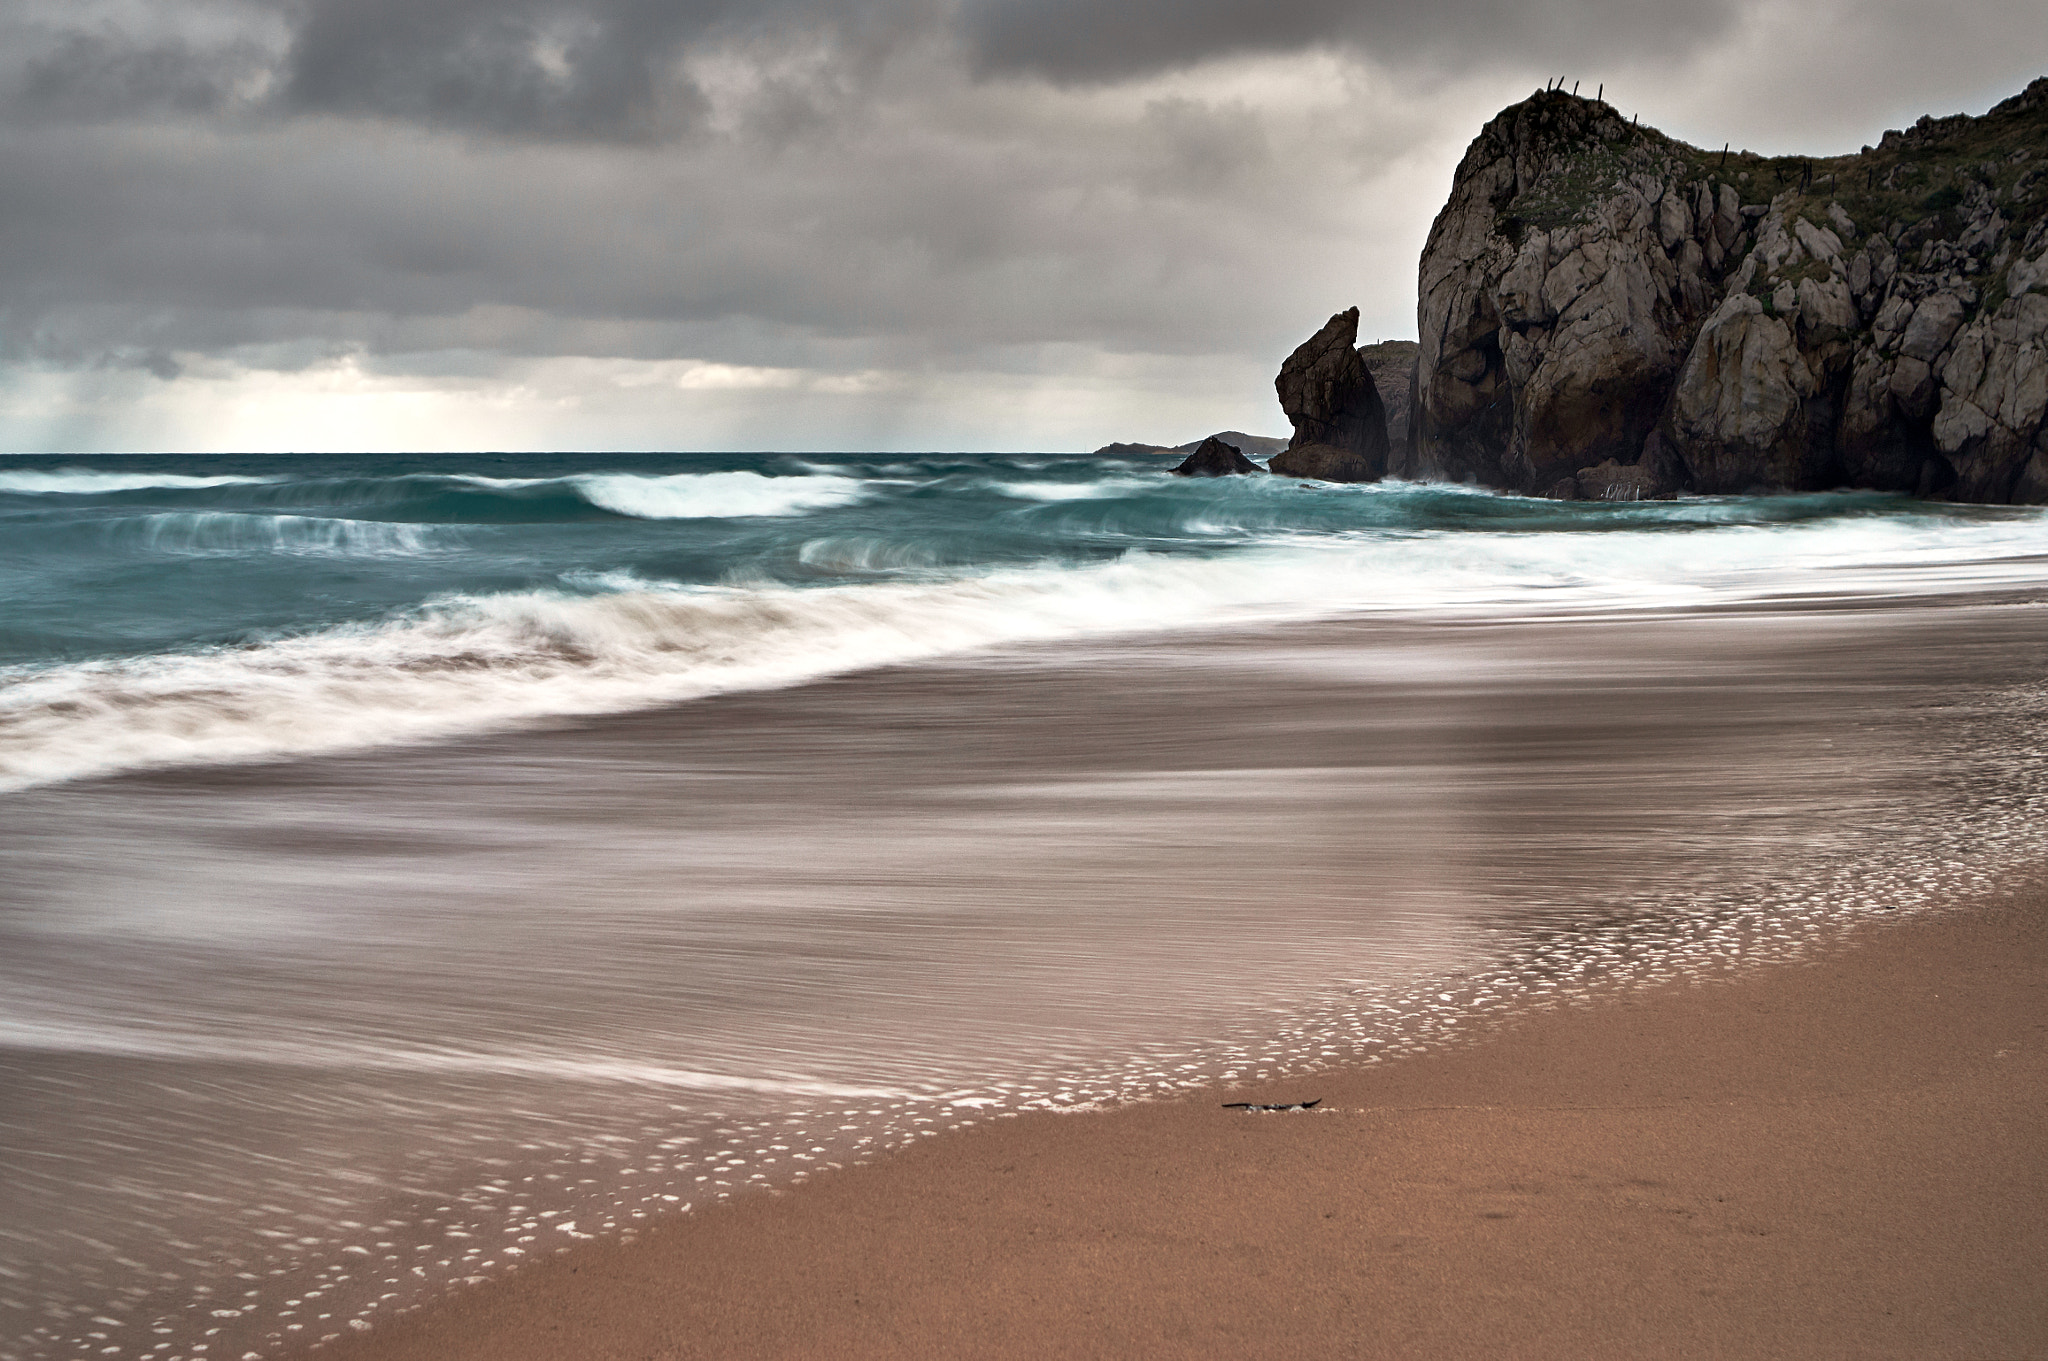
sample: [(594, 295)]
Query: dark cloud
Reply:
[(105, 75), (92, 61), (575, 70), (285, 230), (593, 70), (560, 68), (622, 69), (1071, 41)]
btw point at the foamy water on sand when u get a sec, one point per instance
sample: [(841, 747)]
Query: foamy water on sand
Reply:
[(545, 855)]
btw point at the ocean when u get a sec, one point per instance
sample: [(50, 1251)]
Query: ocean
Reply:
[(414, 865)]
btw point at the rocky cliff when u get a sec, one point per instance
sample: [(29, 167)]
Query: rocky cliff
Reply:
[(1606, 311)]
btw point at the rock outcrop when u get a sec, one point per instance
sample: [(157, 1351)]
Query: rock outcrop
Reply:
[(1392, 366), (1327, 463), (1340, 423), (1605, 311), (1214, 458), (1123, 449)]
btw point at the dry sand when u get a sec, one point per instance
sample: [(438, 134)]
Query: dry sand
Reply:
[(1845, 1157)]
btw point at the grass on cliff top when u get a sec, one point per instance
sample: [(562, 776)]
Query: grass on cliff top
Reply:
[(1924, 174)]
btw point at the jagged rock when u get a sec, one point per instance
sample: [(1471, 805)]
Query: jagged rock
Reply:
[(1934, 324), (1880, 448), (1330, 398), (1216, 459), (1549, 341), (1327, 463), (1740, 408), (1392, 366), (1994, 398), (1881, 321), (1827, 310)]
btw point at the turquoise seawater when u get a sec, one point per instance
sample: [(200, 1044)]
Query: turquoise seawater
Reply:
[(161, 610)]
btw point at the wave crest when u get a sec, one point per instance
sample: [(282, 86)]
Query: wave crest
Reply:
[(234, 532), (92, 482), (477, 662), (713, 496)]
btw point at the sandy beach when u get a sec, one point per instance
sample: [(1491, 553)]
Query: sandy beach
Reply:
[(1842, 1158), (762, 1007), (1002, 680)]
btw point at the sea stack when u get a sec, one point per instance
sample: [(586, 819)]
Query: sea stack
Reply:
[(1340, 423)]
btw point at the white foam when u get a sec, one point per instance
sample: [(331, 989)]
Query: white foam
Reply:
[(91, 482), (474, 663), (708, 496), (234, 532), (1072, 491)]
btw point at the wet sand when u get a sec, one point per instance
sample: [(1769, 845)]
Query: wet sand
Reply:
[(1843, 1157), (328, 1036)]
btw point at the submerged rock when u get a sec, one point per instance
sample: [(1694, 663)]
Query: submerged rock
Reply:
[(1216, 459)]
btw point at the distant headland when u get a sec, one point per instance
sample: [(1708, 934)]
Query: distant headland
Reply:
[(1607, 313)]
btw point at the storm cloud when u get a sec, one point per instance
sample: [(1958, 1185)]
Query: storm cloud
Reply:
[(622, 68), (1077, 40), (978, 222)]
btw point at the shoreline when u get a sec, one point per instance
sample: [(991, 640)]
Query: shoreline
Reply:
[(1830, 1157), (1052, 879)]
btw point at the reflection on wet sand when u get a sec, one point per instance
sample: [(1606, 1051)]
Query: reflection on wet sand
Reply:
[(291, 1046)]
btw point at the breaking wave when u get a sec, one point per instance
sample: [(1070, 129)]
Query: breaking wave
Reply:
[(706, 496), (90, 482), (232, 532), (614, 642)]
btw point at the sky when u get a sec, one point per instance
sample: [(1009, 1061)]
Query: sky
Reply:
[(806, 225)]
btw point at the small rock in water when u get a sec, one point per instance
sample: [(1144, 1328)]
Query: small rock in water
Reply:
[(1216, 459)]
